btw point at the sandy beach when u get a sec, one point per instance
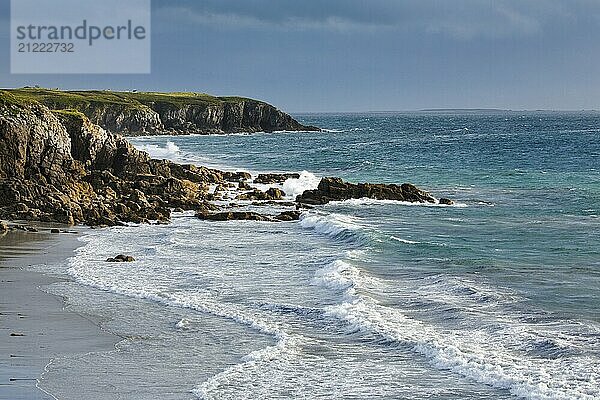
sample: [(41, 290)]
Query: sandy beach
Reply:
[(35, 325)]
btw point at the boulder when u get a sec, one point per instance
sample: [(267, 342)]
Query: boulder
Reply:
[(275, 194), (332, 189), (236, 176), (249, 216), (288, 216), (270, 195), (275, 178), (243, 185), (445, 201), (233, 215), (121, 258)]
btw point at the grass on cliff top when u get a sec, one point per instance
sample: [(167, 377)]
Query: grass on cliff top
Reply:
[(7, 98), (70, 114), (59, 99)]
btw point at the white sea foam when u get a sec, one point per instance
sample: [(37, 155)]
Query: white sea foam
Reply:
[(484, 353), (478, 353), (167, 152), (294, 187), (486, 350), (368, 201), (337, 275), (342, 275), (184, 324), (87, 268), (337, 226), (399, 239)]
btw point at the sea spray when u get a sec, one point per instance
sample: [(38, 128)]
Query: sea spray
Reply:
[(169, 151), (295, 187)]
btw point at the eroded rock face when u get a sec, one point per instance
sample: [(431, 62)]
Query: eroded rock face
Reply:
[(331, 189), (58, 166), (163, 113)]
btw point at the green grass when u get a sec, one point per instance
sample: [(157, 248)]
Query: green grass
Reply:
[(59, 99), (70, 114), (8, 98)]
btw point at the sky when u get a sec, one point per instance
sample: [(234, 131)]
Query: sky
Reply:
[(364, 55)]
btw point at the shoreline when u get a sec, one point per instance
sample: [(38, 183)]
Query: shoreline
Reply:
[(37, 325), (76, 341)]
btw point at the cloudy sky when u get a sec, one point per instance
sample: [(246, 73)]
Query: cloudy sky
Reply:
[(357, 55)]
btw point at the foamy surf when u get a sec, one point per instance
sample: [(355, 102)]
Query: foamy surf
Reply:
[(84, 265), (336, 226), (294, 187), (477, 355), (480, 353), (169, 151), (366, 201)]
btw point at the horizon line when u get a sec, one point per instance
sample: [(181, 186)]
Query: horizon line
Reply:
[(446, 110)]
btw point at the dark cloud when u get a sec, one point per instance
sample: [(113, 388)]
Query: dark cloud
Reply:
[(459, 18), (350, 55)]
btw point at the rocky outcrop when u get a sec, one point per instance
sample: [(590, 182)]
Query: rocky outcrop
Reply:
[(58, 166), (256, 194), (249, 216), (331, 189), (132, 113), (275, 178)]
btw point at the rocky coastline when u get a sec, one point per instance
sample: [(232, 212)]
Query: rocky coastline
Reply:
[(58, 166)]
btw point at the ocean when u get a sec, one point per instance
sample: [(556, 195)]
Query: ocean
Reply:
[(494, 297)]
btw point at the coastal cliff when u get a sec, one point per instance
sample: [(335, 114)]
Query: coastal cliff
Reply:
[(134, 114), (58, 166)]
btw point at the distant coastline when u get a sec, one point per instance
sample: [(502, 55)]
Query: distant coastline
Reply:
[(134, 113)]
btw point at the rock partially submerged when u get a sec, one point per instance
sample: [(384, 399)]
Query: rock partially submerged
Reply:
[(249, 216), (332, 189), (256, 194), (275, 178), (121, 258), (445, 201)]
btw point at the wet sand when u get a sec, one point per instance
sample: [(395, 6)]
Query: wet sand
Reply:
[(35, 327)]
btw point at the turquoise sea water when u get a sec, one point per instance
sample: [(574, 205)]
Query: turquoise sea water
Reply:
[(495, 297)]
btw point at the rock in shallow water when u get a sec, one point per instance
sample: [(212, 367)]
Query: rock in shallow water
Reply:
[(445, 201), (121, 258), (332, 189), (275, 178), (257, 194), (249, 216)]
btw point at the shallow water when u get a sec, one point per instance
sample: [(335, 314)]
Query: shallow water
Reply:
[(495, 297)]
